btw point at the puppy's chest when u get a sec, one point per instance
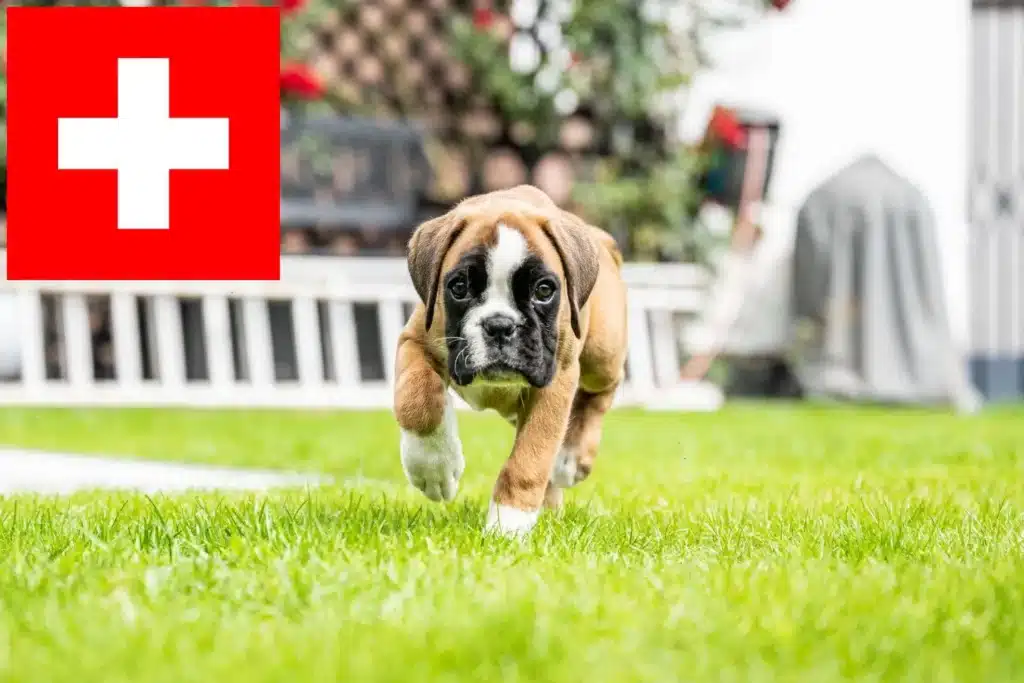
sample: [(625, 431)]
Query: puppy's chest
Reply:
[(504, 400)]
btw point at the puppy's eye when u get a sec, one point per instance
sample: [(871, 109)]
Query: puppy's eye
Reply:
[(458, 289), (543, 291)]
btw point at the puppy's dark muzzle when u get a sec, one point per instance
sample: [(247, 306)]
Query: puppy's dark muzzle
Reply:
[(498, 329)]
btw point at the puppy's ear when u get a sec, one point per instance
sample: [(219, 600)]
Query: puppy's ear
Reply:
[(427, 248), (578, 250)]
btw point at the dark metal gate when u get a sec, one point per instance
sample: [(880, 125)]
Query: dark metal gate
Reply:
[(996, 199)]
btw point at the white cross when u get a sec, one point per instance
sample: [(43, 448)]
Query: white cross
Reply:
[(142, 144)]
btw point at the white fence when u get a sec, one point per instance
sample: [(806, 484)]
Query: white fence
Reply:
[(301, 342)]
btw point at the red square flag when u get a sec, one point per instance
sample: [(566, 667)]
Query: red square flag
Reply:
[(143, 143)]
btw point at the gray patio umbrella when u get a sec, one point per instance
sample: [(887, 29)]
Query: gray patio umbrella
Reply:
[(870, 315)]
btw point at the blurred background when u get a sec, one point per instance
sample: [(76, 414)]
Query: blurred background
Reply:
[(817, 198)]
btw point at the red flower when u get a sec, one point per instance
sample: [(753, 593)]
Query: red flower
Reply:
[(299, 80), (726, 127), (780, 4), (289, 6), (483, 18)]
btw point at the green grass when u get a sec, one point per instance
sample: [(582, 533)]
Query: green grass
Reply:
[(752, 545)]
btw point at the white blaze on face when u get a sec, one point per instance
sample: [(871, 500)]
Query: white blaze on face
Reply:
[(503, 260)]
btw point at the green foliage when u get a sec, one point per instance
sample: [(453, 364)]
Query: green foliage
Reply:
[(298, 25), (513, 93), (646, 205), (630, 64)]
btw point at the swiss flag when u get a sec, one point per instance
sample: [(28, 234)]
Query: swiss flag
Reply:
[(143, 143)]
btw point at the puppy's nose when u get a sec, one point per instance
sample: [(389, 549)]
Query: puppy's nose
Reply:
[(498, 327)]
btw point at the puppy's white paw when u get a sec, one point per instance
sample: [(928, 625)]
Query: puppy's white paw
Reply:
[(563, 475), (509, 521), (434, 463)]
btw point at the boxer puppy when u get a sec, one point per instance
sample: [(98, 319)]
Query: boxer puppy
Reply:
[(522, 311)]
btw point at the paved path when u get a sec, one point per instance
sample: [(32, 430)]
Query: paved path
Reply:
[(25, 471)]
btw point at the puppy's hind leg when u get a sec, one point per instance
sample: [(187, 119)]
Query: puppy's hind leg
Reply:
[(576, 458), (552, 497)]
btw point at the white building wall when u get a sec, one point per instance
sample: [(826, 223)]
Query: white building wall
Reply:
[(849, 77)]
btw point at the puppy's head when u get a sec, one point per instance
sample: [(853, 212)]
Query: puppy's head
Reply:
[(502, 276)]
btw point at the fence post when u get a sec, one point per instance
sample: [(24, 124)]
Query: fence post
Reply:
[(170, 342), (345, 351), (33, 344), (392, 320), (217, 331), (307, 342), (258, 350), (641, 375), (124, 317), (77, 340)]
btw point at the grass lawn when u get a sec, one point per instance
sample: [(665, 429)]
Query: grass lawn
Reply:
[(755, 544)]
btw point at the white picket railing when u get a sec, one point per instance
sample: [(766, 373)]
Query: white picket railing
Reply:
[(234, 340)]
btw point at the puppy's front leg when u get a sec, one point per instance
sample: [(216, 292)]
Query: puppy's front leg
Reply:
[(519, 491), (430, 444)]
